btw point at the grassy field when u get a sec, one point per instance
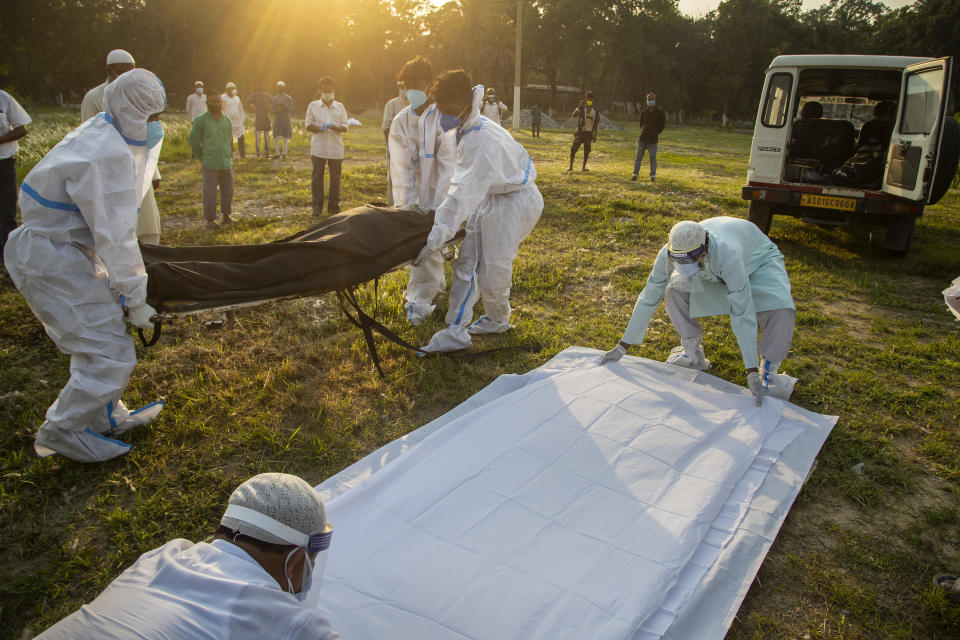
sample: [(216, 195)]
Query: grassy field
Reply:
[(290, 387)]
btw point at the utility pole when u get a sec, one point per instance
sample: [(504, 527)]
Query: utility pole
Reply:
[(516, 68)]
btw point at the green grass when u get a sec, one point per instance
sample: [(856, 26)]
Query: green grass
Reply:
[(289, 386)]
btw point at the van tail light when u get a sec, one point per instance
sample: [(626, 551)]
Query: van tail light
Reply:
[(759, 194), (900, 207)]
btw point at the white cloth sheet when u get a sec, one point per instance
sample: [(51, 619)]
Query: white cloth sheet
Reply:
[(574, 501)]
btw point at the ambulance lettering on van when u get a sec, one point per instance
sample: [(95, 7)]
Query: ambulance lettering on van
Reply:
[(853, 140)]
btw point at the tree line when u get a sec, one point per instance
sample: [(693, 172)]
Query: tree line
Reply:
[(620, 49)]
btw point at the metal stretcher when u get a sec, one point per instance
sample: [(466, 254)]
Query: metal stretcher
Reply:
[(339, 254)]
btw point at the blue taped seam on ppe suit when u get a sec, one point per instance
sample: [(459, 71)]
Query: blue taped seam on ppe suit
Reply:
[(493, 191), (743, 274), (76, 256)]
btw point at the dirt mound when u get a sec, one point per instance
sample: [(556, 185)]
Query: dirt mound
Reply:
[(526, 120)]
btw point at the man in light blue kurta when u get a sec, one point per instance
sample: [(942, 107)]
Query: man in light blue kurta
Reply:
[(721, 266)]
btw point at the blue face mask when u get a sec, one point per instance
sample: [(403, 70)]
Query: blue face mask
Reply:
[(416, 98), (650, 103), (448, 122), (154, 133)]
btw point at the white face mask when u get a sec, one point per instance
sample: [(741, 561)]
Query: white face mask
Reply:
[(199, 90), (327, 97), (416, 98), (233, 92), (687, 270)]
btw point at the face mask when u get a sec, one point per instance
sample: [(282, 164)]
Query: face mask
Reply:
[(589, 103), (416, 98), (233, 92), (327, 97), (154, 133), (199, 91), (307, 578), (448, 122), (687, 270), (650, 103)]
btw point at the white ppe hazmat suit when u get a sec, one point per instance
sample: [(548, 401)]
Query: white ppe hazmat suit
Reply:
[(742, 275), (421, 166), (148, 222), (493, 191), (199, 591), (76, 261)]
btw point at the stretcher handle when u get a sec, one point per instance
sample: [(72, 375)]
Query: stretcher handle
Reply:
[(157, 330)]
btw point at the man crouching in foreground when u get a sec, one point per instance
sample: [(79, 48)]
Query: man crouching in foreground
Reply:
[(252, 581)]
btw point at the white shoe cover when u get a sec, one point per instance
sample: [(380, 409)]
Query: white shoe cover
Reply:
[(139, 418), (781, 385), (417, 312), (82, 446), (678, 357), (485, 325), (452, 338)]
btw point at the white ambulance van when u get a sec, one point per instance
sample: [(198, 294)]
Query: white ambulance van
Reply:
[(853, 140)]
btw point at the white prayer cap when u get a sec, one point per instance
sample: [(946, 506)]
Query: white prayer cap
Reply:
[(230, 85), (686, 236), (198, 83), (281, 83), (288, 499), (119, 56)]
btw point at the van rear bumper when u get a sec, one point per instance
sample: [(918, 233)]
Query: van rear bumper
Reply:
[(786, 201)]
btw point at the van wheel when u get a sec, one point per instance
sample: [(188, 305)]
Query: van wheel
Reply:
[(947, 160), (760, 215), (897, 239)]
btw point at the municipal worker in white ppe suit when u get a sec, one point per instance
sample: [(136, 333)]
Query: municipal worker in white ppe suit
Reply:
[(259, 578), (421, 165), (76, 261), (492, 190), (721, 266)]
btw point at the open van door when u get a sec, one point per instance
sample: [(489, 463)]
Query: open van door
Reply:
[(915, 143)]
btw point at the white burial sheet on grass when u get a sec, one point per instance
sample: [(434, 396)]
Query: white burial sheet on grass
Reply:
[(630, 500)]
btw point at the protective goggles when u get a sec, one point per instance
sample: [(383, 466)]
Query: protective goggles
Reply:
[(315, 544), (687, 257)]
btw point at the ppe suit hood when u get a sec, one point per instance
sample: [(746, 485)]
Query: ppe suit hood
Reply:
[(132, 98), (476, 102)]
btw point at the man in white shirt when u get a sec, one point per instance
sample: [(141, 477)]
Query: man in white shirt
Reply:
[(252, 581), (390, 111), (233, 109), (148, 222), (492, 108), (13, 126), (118, 61), (196, 101), (327, 120)]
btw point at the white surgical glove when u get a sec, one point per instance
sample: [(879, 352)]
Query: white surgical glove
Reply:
[(614, 354), (756, 387), (140, 316)]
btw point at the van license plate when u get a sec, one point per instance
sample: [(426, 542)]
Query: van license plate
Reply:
[(828, 202)]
